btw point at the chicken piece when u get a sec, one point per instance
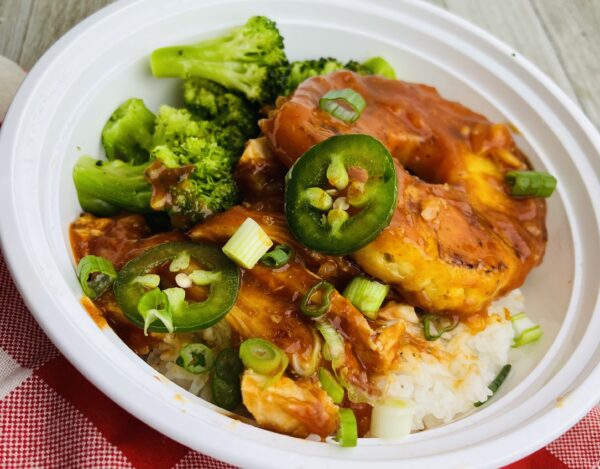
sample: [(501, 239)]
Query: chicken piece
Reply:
[(298, 408), (220, 227), (457, 239), (260, 176)]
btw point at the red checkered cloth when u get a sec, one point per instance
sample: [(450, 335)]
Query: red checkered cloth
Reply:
[(52, 417)]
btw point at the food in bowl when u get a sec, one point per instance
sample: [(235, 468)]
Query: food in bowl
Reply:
[(315, 244)]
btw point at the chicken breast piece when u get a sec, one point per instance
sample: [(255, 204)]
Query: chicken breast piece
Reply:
[(298, 408), (457, 239)]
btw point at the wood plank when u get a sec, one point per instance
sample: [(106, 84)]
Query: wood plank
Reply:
[(49, 20), (14, 17), (574, 29), (516, 23)]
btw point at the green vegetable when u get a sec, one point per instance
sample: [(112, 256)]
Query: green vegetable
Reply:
[(187, 316), (248, 244), (196, 358), (435, 320), (334, 342), (250, 59), (106, 187), (392, 419), (366, 295), (148, 280), (228, 365), (234, 117), (341, 233), (95, 275), (226, 395), (530, 183), (317, 301), (526, 331), (347, 434), (183, 142), (495, 385), (278, 257), (127, 134), (346, 105), (380, 66), (154, 305), (262, 356), (331, 385)]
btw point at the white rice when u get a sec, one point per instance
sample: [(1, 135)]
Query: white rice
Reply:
[(442, 382), (447, 380)]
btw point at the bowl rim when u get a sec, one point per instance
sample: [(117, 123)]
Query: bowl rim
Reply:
[(586, 399)]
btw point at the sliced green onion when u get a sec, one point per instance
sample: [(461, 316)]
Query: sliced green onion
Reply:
[(435, 321), (196, 358), (526, 331), (248, 244), (366, 295), (95, 275), (317, 301), (347, 434), (350, 111), (392, 419), (495, 385), (148, 280), (318, 198), (228, 366), (334, 342), (331, 386), (308, 368), (154, 305), (278, 257), (176, 297), (337, 175), (530, 183), (380, 66), (225, 394), (181, 262), (203, 277), (261, 356)]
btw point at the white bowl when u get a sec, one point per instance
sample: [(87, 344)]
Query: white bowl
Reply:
[(59, 112)]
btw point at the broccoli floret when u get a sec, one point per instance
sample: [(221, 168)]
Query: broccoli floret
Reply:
[(181, 140), (304, 69), (127, 135), (250, 59), (107, 187), (357, 67), (213, 102)]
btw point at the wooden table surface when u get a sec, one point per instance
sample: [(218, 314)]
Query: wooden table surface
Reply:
[(562, 37)]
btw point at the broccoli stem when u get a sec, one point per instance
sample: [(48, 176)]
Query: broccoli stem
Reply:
[(107, 187)]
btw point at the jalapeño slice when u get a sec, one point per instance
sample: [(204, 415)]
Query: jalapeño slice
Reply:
[(186, 316), (357, 172)]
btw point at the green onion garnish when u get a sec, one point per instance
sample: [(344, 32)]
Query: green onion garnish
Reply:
[(334, 343), (278, 257), (380, 66), (526, 331), (225, 394), (435, 320), (95, 275), (262, 356), (391, 419), (248, 244), (153, 305), (351, 109), (317, 301), (530, 183), (196, 358), (366, 295), (228, 365), (496, 383), (331, 386), (347, 434)]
